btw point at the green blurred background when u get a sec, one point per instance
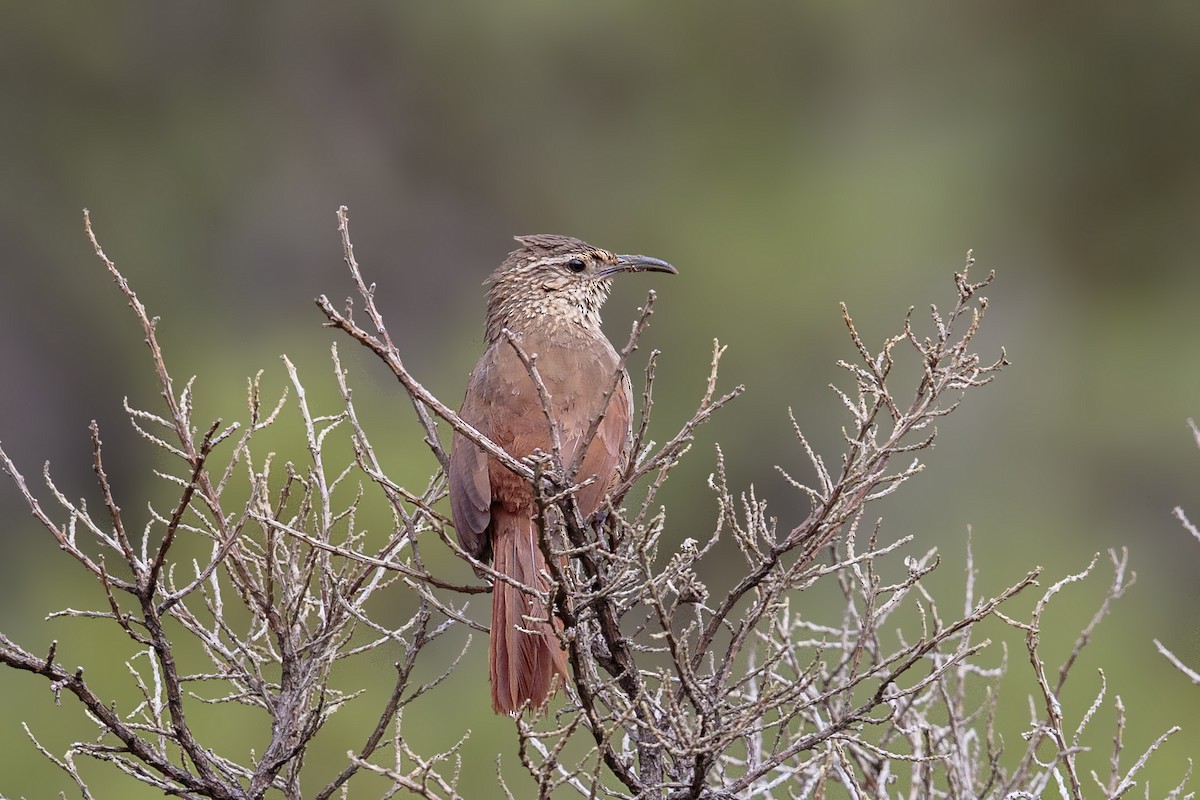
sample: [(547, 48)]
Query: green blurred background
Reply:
[(785, 157)]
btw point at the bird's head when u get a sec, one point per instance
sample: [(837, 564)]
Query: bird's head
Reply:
[(556, 280)]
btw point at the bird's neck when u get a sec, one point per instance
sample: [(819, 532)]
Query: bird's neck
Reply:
[(551, 320)]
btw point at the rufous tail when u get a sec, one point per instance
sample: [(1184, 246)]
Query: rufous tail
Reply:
[(522, 666)]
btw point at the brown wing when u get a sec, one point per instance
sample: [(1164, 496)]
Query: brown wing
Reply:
[(470, 488)]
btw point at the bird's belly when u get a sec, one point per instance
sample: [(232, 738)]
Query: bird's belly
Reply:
[(576, 381)]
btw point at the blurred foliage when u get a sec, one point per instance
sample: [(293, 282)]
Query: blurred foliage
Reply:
[(784, 156)]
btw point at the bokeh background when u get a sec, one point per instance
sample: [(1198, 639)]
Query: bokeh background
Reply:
[(785, 156)]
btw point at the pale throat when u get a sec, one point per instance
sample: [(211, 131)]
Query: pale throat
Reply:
[(567, 313)]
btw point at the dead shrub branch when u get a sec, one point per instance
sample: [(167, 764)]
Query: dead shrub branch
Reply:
[(679, 689)]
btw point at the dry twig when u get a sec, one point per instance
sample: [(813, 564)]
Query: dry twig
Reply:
[(679, 690)]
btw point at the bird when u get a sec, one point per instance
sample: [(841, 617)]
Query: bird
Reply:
[(546, 297)]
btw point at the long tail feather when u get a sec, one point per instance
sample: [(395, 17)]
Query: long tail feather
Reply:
[(522, 665)]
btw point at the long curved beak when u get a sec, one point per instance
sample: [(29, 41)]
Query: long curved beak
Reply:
[(638, 264)]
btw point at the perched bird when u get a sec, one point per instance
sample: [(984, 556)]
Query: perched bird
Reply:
[(548, 295)]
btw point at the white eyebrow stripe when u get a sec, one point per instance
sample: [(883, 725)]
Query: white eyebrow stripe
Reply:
[(548, 260)]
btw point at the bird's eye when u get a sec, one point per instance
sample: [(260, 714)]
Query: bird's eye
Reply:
[(576, 265)]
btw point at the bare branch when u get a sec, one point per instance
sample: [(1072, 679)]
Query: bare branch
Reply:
[(678, 689)]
